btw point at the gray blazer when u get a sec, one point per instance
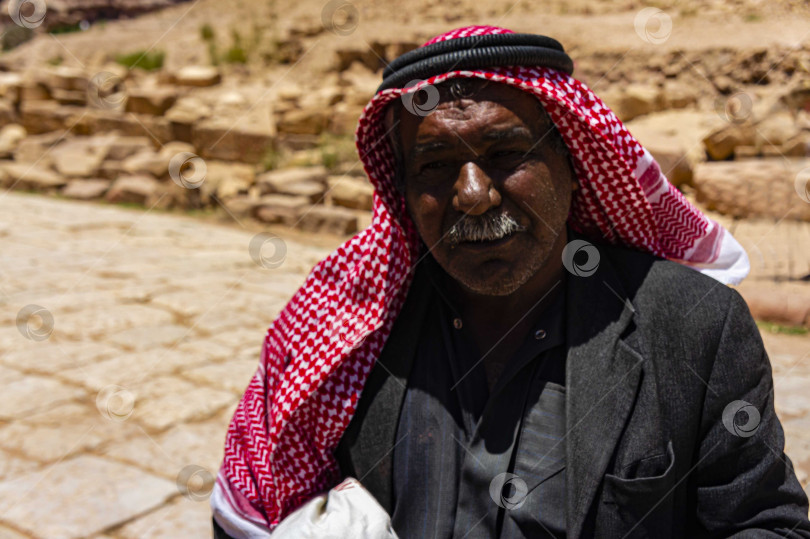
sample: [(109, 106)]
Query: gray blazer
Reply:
[(660, 359)]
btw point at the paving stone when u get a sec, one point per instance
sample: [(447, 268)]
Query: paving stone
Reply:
[(63, 431), (791, 396), (167, 401), (232, 375), (184, 517), (213, 324), (13, 466), (44, 503), (238, 338), (93, 322), (9, 375), (10, 339), (206, 350), (26, 395), (798, 450), (166, 454), (51, 356), (146, 337), (130, 370), (8, 533), (187, 302)]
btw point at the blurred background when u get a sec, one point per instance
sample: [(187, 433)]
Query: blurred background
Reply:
[(171, 170)]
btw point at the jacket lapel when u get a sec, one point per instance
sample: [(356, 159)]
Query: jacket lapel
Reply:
[(602, 378)]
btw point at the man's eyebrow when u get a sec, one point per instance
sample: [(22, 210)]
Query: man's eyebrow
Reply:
[(424, 148), (507, 134)]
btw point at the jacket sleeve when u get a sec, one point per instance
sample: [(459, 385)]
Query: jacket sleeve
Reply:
[(743, 480)]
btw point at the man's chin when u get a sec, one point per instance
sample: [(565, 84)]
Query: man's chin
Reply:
[(495, 283)]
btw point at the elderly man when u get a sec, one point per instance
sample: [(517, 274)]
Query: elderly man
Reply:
[(506, 351)]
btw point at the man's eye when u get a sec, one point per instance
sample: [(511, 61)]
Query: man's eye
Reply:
[(434, 165), (510, 154)]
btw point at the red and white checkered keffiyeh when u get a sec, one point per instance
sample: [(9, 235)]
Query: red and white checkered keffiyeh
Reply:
[(318, 353)]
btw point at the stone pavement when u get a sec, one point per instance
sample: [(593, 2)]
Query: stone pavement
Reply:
[(157, 325), (141, 331)]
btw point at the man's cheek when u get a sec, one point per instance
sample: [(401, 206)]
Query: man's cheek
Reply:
[(422, 207)]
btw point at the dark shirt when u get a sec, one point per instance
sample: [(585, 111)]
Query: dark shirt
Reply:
[(471, 464)]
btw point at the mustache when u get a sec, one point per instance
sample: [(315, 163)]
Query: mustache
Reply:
[(487, 227)]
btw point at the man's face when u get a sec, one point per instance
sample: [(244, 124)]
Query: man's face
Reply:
[(485, 159)]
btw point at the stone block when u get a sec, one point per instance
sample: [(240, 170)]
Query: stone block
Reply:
[(331, 220)]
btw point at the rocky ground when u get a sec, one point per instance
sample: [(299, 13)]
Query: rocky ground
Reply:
[(129, 198)]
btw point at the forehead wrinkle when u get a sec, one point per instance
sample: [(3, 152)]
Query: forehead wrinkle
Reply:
[(441, 130), (431, 145), (515, 132)]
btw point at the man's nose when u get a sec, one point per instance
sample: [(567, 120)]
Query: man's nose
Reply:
[(475, 191)]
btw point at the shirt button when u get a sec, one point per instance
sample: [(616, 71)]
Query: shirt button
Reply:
[(457, 323), (540, 334)]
